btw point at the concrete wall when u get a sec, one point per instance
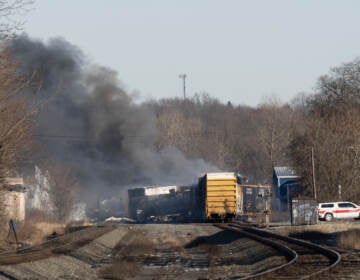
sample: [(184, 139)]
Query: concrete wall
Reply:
[(14, 205), (13, 195)]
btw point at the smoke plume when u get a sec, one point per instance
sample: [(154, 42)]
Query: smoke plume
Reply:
[(90, 122)]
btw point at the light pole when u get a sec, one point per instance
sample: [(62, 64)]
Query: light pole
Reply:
[(313, 171), (183, 77)]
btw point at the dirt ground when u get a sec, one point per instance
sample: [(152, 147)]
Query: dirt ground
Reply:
[(186, 252)]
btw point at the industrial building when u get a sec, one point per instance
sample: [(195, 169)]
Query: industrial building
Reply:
[(285, 183)]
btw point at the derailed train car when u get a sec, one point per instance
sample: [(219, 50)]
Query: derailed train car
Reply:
[(218, 193), (216, 197), (253, 201), (163, 203)]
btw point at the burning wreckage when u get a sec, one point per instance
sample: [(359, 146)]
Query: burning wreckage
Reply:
[(163, 203), (216, 197)]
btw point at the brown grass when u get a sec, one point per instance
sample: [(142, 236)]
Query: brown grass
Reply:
[(120, 269), (28, 232), (349, 239), (36, 232), (36, 215), (320, 227)]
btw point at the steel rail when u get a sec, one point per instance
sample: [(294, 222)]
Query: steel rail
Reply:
[(8, 276), (43, 244), (332, 255), (290, 253), (52, 247)]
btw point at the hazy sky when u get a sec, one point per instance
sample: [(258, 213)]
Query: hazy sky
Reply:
[(235, 50)]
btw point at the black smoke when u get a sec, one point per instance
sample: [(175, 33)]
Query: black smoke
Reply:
[(89, 121)]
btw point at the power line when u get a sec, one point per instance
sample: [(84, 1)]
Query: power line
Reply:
[(64, 137), (87, 139)]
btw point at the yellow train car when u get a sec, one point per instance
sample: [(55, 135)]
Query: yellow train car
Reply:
[(219, 192)]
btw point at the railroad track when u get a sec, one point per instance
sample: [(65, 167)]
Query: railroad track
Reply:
[(305, 260), (217, 256), (237, 252), (60, 245)]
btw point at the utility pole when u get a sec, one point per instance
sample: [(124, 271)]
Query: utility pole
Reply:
[(183, 77), (313, 171)]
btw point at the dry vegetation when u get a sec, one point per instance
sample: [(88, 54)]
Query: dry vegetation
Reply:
[(30, 233), (10, 10), (349, 239), (38, 232), (62, 192), (230, 137), (16, 118), (15, 124), (340, 234), (322, 227)]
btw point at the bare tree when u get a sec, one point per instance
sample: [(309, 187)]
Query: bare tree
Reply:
[(332, 122), (15, 118), (62, 190), (10, 10), (249, 140), (195, 126), (179, 131), (15, 123), (15, 114), (273, 132), (338, 90), (335, 142)]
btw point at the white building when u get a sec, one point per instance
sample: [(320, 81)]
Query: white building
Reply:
[(14, 199)]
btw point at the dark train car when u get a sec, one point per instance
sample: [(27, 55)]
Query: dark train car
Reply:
[(253, 201), (163, 203)]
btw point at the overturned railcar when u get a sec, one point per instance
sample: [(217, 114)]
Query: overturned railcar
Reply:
[(218, 196), (163, 203)]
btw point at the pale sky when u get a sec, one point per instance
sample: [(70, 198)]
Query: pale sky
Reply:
[(238, 51)]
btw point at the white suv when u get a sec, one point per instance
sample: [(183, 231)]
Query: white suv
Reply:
[(339, 210)]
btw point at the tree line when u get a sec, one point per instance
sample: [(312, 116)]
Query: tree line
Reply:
[(235, 138), (324, 124)]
